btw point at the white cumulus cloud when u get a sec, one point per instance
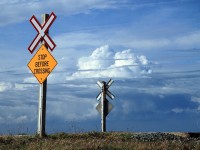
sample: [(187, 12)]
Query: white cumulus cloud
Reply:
[(103, 62), (99, 59)]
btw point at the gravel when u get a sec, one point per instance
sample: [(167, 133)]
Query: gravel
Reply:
[(148, 137)]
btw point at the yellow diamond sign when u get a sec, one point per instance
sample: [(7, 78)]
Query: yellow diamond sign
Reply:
[(42, 64)]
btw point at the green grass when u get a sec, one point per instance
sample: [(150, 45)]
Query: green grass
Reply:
[(92, 140)]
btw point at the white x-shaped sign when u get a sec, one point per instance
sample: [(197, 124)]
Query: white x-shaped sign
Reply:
[(42, 30), (100, 84)]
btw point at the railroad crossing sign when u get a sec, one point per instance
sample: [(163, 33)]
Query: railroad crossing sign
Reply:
[(100, 84), (104, 107), (42, 64), (42, 33)]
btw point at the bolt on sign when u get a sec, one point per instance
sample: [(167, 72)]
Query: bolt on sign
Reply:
[(42, 64)]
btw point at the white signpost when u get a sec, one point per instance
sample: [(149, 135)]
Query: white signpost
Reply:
[(104, 107)]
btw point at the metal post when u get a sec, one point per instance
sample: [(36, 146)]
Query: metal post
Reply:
[(103, 99), (42, 97)]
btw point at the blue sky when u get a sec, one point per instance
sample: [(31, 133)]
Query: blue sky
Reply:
[(150, 48)]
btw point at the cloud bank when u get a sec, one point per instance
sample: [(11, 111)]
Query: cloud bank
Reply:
[(103, 62), (5, 86)]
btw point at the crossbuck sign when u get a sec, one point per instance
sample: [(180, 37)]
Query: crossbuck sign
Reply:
[(42, 33), (100, 84)]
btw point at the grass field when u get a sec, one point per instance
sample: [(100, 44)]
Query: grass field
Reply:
[(96, 140)]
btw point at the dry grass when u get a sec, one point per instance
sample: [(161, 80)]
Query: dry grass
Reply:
[(93, 140)]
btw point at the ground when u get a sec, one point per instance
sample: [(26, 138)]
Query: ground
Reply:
[(96, 140)]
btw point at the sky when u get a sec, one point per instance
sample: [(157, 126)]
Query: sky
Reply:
[(150, 48)]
